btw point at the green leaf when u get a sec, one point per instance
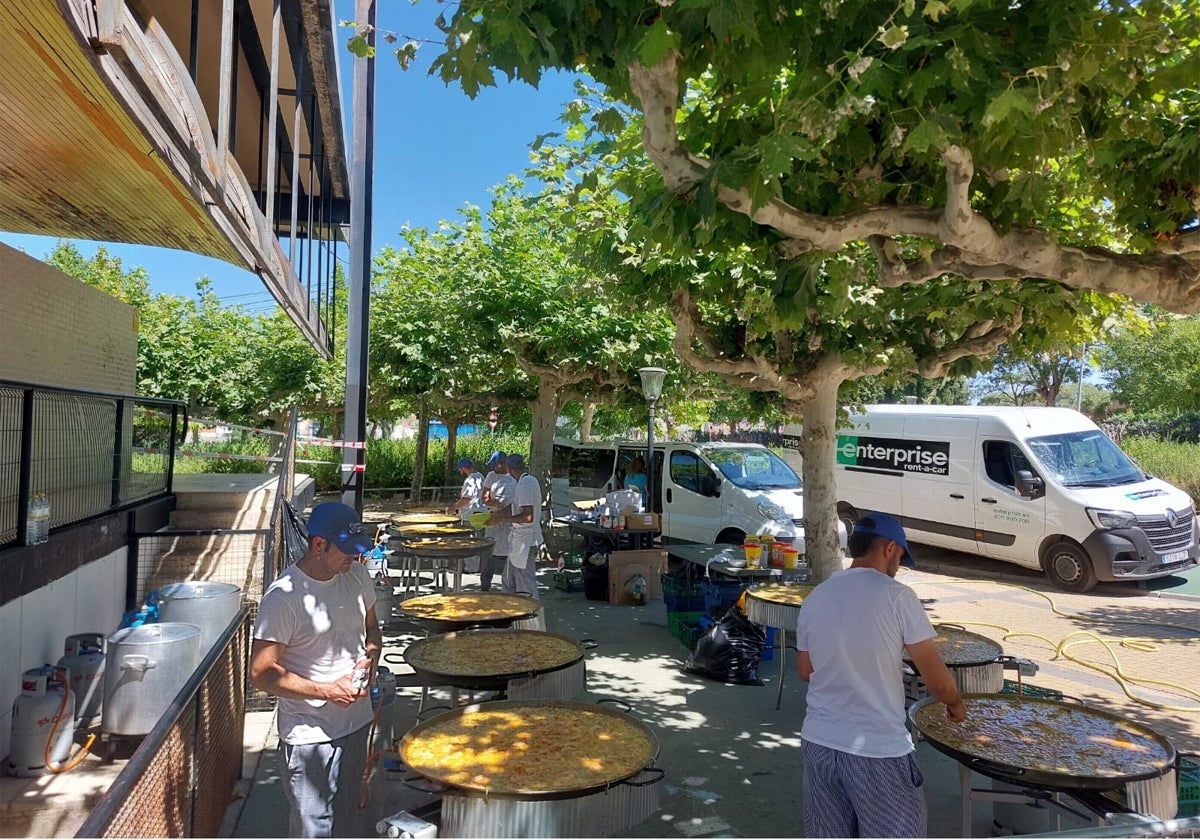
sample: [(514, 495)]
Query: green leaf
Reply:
[(655, 44), (1006, 103), (359, 47), (893, 37), (934, 9)]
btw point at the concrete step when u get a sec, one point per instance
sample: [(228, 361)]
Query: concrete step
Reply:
[(258, 499), (230, 519)]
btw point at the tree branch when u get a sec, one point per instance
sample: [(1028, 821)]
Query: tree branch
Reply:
[(971, 246), (981, 339)]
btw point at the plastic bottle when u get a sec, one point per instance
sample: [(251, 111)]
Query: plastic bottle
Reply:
[(37, 525)]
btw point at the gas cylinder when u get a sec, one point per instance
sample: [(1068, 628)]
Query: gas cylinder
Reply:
[(83, 654), (34, 715), (383, 600)]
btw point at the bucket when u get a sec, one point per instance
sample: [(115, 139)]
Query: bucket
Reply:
[(210, 606), (790, 557)]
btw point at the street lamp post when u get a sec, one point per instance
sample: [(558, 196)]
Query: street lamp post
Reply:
[(652, 385)]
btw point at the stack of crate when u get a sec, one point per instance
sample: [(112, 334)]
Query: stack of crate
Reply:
[(685, 606), (569, 575)]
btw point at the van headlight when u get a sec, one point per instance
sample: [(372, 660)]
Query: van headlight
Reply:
[(773, 512), (1111, 518)]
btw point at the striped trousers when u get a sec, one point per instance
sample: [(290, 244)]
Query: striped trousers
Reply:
[(848, 795)]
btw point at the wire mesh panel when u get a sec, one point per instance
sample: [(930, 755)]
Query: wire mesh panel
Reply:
[(220, 727), (11, 400), (217, 556)]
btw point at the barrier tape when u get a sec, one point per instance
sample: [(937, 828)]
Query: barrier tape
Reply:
[(340, 444)]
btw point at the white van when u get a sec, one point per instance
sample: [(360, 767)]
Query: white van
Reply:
[(708, 493), (1039, 487)]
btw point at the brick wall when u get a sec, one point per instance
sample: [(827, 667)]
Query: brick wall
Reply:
[(59, 331)]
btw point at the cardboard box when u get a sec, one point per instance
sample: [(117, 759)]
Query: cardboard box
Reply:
[(642, 522), (624, 565)]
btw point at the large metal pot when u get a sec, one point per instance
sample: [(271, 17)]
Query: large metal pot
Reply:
[(624, 793), (208, 605), (146, 668), (776, 604)]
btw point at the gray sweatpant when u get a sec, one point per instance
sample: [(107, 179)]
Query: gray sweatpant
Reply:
[(322, 783)]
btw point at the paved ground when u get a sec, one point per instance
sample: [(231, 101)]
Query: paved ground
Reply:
[(732, 760)]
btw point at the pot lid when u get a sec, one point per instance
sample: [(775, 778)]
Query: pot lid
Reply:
[(197, 589), (162, 632)]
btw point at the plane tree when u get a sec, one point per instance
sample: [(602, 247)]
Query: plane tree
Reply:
[(924, 180)]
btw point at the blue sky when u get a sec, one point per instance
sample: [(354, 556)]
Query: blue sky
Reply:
[(435, 150)]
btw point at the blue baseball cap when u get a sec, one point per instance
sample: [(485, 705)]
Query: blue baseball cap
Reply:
[(341, 525), (496, 458), (886, 526), (463, 463)]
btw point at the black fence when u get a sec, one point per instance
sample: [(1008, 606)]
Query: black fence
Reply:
[(75, 450)]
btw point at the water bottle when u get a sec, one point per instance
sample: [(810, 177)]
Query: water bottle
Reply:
[(37, 524)]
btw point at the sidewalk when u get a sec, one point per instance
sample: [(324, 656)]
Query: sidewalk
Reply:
[(732, 760)]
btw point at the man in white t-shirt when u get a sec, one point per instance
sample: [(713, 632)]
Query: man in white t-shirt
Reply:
[(500, 492), (525, 514), (316, 647), (470, 498), (860, 775)]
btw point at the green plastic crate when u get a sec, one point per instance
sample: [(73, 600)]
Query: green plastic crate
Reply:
[(674, 586), (1027, 690), (685, 626), (568, 580), (574, 560), (1189, 786)]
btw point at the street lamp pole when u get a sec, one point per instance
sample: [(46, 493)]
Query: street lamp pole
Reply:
[(652, 385)]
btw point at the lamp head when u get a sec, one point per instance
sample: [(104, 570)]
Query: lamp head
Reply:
[(652, 382)]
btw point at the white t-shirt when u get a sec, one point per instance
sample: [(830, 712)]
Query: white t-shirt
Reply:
[(855, 626), (473, 489), (504, 490), (323, 624), (526, 535)]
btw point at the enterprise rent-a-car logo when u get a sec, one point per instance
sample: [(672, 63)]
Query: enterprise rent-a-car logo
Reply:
[(888, 454)]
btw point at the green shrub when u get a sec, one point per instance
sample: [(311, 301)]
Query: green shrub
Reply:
[(1176, 463), (390, 462)]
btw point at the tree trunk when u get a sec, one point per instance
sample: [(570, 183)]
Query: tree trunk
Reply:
[(541, 444), (452, 423), (585, 424), (818, 448), (422, 452)]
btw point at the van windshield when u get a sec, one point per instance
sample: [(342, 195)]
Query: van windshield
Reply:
[(1085, 459), (753, 468)]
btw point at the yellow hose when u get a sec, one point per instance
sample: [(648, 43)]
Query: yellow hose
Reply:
[(1063, 646)]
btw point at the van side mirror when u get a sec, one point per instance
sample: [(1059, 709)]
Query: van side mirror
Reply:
[(1028, 485)]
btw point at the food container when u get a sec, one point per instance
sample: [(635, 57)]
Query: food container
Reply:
[(753, 553), (791, 557)]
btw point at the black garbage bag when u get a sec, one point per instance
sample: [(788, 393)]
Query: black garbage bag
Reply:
[(595, 577), (729, 650)]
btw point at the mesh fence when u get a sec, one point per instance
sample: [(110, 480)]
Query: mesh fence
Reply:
[(181, 778)]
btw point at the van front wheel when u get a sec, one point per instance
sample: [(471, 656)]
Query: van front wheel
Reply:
[(731, 536), (1068, 567), (849, 517)]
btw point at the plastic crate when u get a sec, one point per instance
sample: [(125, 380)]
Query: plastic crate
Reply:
[(1010, 687), (675, 586), (1189, 786), (719, 596), (568, 580), (573, 560), (678, 603), (685, 626)]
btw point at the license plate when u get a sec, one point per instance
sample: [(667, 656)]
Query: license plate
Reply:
[(1174, 557)]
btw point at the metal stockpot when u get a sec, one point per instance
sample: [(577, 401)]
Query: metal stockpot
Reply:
[(210, 606), (146, 668)]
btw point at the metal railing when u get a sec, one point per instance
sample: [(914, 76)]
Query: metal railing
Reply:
[(77, 447), (180, 779)]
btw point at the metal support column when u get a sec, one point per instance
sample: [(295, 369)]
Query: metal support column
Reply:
[(359, 281)]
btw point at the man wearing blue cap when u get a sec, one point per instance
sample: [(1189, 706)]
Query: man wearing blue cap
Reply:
[(860, 774), (316, 647), (470, 498)]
